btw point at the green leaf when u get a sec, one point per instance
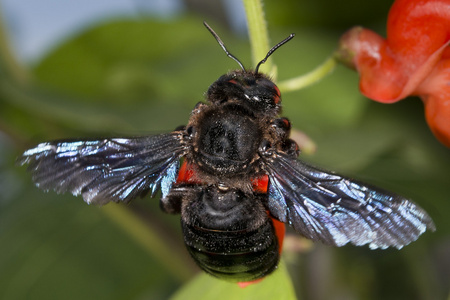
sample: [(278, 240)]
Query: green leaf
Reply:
[(205, 287)]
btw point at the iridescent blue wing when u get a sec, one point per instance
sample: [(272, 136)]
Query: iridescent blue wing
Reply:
[(115, 169), (336, 210)]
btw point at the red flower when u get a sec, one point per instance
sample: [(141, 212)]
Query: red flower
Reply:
[(414, 59)]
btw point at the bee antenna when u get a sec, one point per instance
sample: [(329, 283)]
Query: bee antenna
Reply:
[(223, 45), (290, 37)]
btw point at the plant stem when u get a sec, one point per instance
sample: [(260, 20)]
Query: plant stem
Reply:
[(257, 30), (308, 79)]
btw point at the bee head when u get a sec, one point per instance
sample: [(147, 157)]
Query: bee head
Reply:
[(249, 88)]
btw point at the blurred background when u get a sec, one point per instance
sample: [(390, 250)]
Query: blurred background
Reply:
[(131, 67)]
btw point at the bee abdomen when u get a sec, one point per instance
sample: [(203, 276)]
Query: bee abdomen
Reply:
[(233, 255), (230, 235)]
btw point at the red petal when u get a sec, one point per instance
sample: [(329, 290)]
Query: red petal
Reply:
[(418, 34), (435, 93)]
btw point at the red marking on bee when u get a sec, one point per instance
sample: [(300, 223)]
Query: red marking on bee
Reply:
[(247, 283), (186, 174), (277, 97), (286, 122), (280, 230), (260, 184)]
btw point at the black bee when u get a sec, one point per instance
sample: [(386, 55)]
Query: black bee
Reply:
[(239, 179)]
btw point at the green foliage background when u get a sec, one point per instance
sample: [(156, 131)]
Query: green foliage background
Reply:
[(143, 76)]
